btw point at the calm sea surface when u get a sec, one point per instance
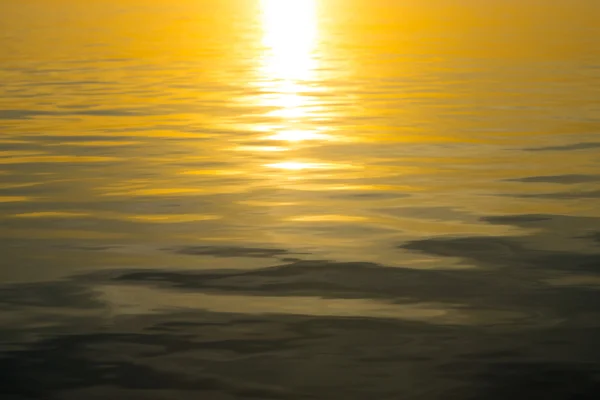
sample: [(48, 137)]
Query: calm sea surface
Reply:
[(299, 199)]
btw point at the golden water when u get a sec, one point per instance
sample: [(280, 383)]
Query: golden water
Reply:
[(442, 156)]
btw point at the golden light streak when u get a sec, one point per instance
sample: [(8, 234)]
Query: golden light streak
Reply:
[(289, 64)]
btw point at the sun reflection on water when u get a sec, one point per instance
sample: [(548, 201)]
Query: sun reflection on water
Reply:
[(290, 36), (298, 135), (288, 71), (295, 165)]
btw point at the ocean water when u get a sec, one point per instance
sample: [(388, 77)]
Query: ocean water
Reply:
[(299, 199)]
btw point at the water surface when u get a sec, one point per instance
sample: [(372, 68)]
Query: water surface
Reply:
[(303, 199)]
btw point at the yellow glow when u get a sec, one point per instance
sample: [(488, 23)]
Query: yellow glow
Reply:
[(171, 218), (55, 159), (295, 166), (51, 214), (297, 135), (13, 199), (210, 172), (261, 148), (290, 32), (327, 218), (288, 64), (300, 165)]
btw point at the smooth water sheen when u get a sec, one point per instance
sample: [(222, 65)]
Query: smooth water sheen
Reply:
[(299, 199)]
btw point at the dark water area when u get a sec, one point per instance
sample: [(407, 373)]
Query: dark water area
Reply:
[(299, 199)]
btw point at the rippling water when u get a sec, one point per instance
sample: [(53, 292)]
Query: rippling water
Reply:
[(299, 199)]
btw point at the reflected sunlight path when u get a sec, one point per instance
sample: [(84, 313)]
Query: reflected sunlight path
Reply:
[(288, 69)]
